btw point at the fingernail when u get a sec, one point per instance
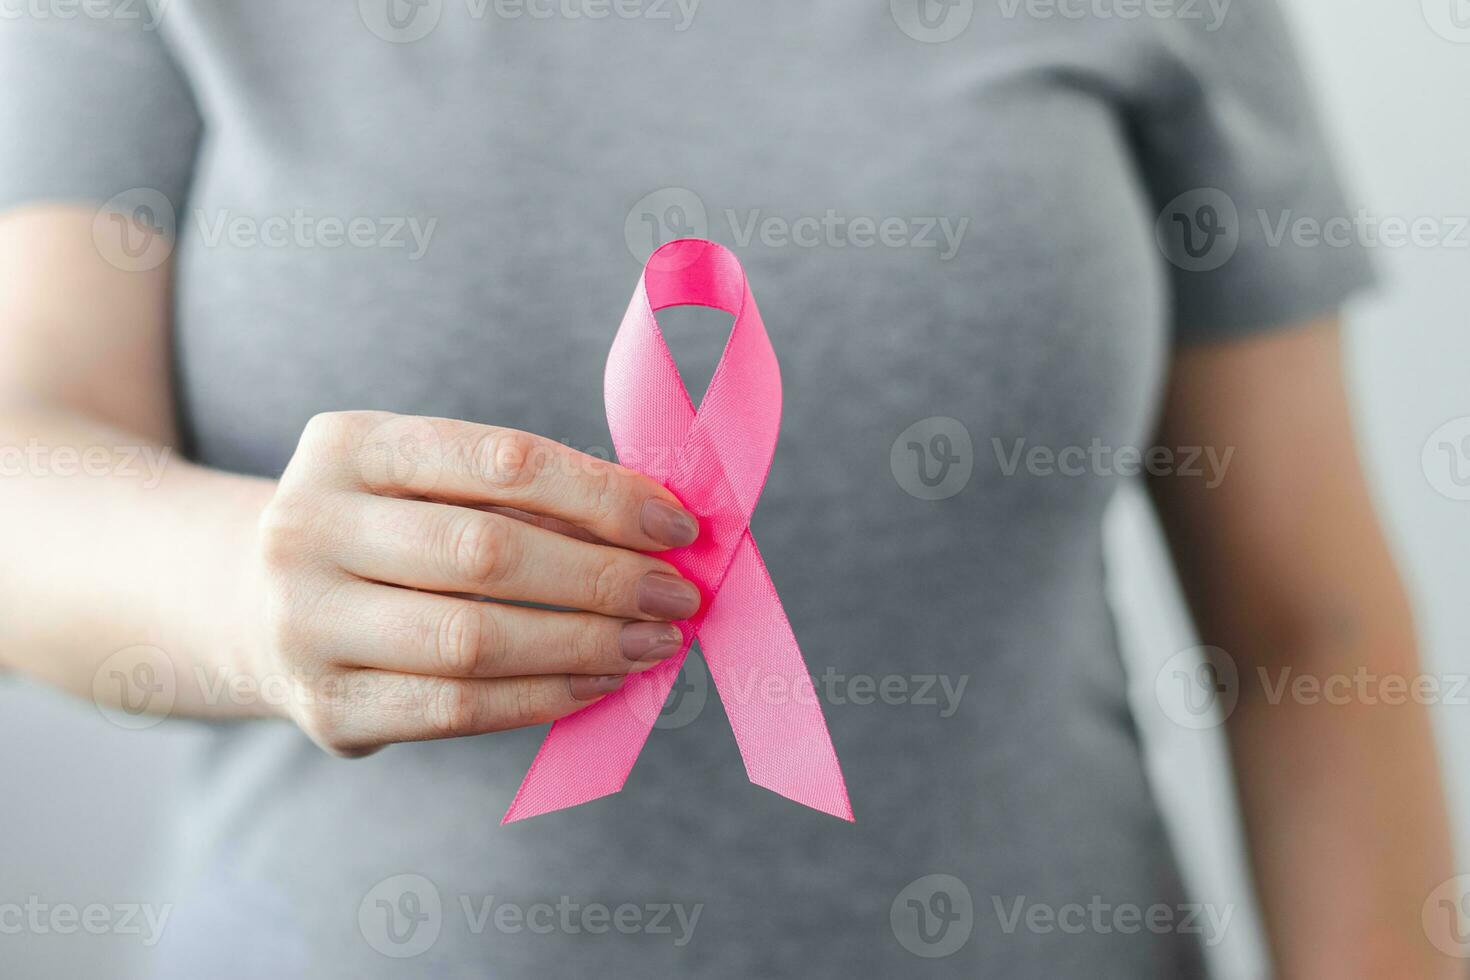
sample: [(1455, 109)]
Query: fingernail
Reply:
[(650, 641), (667, 596), (585, 688), (667, 524)]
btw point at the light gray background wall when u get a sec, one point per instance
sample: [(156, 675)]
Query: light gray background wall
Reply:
[(80, 804)]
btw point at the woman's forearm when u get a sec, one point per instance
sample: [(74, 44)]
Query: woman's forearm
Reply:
[(114, 541), (1335, 766)]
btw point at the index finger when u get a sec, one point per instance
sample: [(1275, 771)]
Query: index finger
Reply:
[(452, 461)]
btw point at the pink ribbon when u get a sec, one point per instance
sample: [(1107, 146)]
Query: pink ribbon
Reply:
[(715, 460)]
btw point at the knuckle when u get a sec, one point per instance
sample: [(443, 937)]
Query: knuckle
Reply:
[(449, 707), (331, 429), (459, 641), (593, 644), (605, 578), (294, 527), (608, 493), (480, 548), (279, 534), (338, 743), (324, 706), (508, 459), (321, 719), (298, 615), (352, 751), (397, 453), (324, 734), (525, 704)]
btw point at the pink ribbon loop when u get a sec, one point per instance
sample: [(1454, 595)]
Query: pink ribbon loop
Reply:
[(714, 459)]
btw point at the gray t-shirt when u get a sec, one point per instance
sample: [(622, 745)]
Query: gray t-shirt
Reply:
[(955, 216)]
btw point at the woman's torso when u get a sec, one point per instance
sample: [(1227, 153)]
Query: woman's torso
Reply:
[(962, 646)]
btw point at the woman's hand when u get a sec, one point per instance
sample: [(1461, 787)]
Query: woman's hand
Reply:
[(383, 529), (340, 589)]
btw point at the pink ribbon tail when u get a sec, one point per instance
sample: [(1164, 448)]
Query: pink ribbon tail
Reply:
[(715, 460)]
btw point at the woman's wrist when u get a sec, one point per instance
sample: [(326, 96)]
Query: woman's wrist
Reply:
[(219, 600)]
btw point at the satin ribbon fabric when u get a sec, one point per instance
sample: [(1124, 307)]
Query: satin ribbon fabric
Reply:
[(715, 461)]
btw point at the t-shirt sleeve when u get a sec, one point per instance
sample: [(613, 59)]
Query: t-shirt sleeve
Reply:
[(92, 105), (1251, 213)]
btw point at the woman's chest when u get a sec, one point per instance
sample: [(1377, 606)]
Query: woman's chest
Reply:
[(454, 227)]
